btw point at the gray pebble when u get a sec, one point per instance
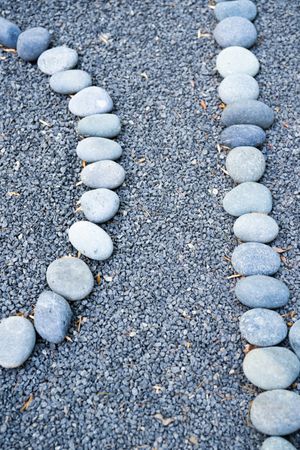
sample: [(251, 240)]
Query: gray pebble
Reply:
[(70, 277), (17, 340), (251, 112), (101, 125), (238, 87), (246, 198), (90, 240), (70, 81), (57, 59), (277, 443), (255, 227), (89, 101), (52, 317), (99, 205), (94, 149), (9, 33), (242, 135), (235, 31), (294, 337), (241, 8), (263, 327), (245, 164), (237, 60), (32, 42), (103, 174), (254, 258)]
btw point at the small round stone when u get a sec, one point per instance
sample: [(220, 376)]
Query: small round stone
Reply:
[(70, 81), (241, 8), (90, 240), (294, 337), (253, 258), (260, 291), (251, 112), (276, 412), (255, 227), (57, 59), (89, 101), (235, 31), (95, 149), (103, 174), (32, 42), (245, 164), (238, 87), (101, 125), (246, 198), (237, 60), (70, 277), (242, 135), (17, 340), (52, 317), (9, 33), (263, 327), (277, 443), (99, 205)]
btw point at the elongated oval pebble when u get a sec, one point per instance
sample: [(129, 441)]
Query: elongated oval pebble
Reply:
[(99, 205), (262, 327), (251, 112), (238, 87), (103, 174), (235, 31), (241, 8), (101, 125), (90, 240), (245, 164), (93, 149), (255, 227), (237, 60), (277, 443), (246, 198), (89, 101), (253, 258), (70, 81), (243, 136), (57, 59), (9, 33)]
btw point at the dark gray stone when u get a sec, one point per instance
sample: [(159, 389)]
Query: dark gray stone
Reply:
[(253, 258), (277, 443), (294, 337), (103, 174), (9, 33), (246, 198), (235, 31), (90, 240), (89, 101), (101, 125), (32, 42), (263, 327), (245, 164), (94, 149), (243, 135), (255, 227), (238, 87), (251, 112), (70, 81), (57, 59), (237, 60), (241, 8), (99, 205)]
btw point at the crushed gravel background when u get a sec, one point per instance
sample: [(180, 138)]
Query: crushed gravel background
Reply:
[(160, 333)]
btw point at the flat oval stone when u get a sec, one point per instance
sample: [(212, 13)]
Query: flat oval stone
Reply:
[(253, 258), (235, 31), (52, 317), (251, 112), (237, 60), (271, 367), (94, 149), (245, 164), (103, 174), (101, 125), (294, 338), (246, 198), (263, 327), (276, 412), (243, 135), (241, 8), (32, 42), (90, 240), (99, 205), (238, 87), (9, 33), (57, 59), (70, 277), (70, 81), (17, 340), (255, 227), (260, 291), (277, 443), (91, 100)]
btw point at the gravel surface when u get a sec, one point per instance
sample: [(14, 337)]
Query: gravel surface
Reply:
[(160, 337)]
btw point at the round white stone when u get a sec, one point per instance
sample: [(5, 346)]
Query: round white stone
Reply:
[(238, 86), (237, 60)]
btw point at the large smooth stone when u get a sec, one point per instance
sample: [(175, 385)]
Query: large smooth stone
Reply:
[(251, 112), (246, 198), (9, 33), (235, 31), (237, 60), (276, 412), (101, 125), (294, 337), (57, 59), (70, 81), (89, 101), (271, 367), (32, 42), (103, 174), (70, 277), (255, 227), (245, 164), (52, 317), (99, 205), (90, 240), (277, 443), (262, 327), (253, 258), (260, 291), (94, 149), (243, 135), (241, 8), (238, 87), (17, 340)]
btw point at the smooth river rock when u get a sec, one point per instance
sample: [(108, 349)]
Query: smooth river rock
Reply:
[(235, 31), (276, 412), (238, 87), (255, 227), (90, 240), (245, 164), (241, 8), (237, 60), (251, 112), (89, 101), (254, 258), (263, 327), (70, 277), (277, 443), (17, 340), (9, 33), (99, 205), (52, 317), (294, 337), (103, 174), (94, 149), (32, 42), (242, 135), (246, 198), (101, 125), (57, 59), (70, 81)]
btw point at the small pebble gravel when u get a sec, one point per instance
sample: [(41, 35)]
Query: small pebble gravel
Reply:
[(9, 33), (32, 43), (94, 149), (255, 227), (294, 337), (263, 327), (17, 340), (70, 81), (277, 443), (235, 31), (101, 125), (241, 8), (90, 240), (99, 205), (237, 59), (57, 59), (238, 87), (251, 112), (103, 174), (254, 258), (246, 198), (245, 164), (89, 101), (242, 135)]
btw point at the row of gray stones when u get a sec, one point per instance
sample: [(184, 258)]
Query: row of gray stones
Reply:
[(69, 278), (275, 412)]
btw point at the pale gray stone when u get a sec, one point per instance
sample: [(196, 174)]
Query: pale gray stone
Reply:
[(241, 8), (277, 443), (99, 205), (103, 174), (246, 198), (93, 149), (255, 227), (294, 337), (237, 87), (254, 258), (57, 59), (235, 31), (263, 327), (89, 101), (70, 81), (90, 240), (237, 60), (101, 125), (245, 164)]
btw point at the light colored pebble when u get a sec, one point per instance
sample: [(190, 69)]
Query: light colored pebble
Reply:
[(99, 205), (93, 149), (90, 240), (237, 60), (255, 227), (245, 164), (103, 174)]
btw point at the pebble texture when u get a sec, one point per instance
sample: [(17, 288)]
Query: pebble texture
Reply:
[(99, 205), (91, 100), (103, 174), (17, 340), (57, 59), (9, 33), (237, 87), (255, 227), (32, 42), (91, 240), (94, 149), (235, 59), (294, 338), (246, 198), (245, 164), (101, 125), (241, 8), (262, 327), (277, 443), (70, 81), (253, 258), (251, 112), (242, 136), (235, 31)]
